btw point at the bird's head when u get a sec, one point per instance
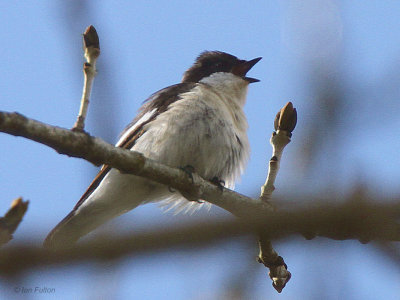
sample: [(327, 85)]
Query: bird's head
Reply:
[(210, 62)]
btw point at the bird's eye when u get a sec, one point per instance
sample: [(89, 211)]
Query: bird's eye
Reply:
[(218, 65)]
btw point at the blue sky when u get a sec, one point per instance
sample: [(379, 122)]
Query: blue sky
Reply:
[(309, 48)]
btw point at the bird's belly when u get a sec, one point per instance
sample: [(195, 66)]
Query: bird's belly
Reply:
[(199, 138)]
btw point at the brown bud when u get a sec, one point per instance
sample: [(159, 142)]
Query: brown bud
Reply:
[(286, 118), (90, 38)]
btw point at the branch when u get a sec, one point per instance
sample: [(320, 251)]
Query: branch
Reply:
[(375, 221), (284, 124), (11, 220), (96, 151), (91, 46), (278, 271)]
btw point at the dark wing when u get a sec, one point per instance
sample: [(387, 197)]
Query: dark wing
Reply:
[(152, 107)]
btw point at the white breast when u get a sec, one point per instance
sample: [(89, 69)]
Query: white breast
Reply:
[(205, 129)]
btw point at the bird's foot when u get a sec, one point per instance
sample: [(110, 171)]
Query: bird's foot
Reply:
[(218, 182), (189, 170)]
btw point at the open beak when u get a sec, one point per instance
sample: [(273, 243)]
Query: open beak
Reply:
[(243, 67)]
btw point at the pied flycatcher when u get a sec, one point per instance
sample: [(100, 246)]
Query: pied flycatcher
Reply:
[(199, 122)]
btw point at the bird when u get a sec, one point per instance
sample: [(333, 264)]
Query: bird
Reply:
[(199, 122)]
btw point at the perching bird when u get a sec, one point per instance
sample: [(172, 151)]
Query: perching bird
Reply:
[(199, 122)]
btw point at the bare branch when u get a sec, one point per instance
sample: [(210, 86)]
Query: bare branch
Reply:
[(278, 272), (345, 221), (96, 151), (91, 46), (284, 124), (11, 220)]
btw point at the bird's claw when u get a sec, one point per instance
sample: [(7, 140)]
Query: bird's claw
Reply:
[(189, 170), (218, 182)]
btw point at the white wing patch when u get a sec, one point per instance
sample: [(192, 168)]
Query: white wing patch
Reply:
[(137, 124)]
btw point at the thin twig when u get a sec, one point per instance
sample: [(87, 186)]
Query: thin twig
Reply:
[(278, 272), (11, 220), (284, 124), (91, 48)]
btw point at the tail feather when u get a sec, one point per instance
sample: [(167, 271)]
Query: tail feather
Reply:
[(77, 224), (70, 230), (63, 235), (114, 195)]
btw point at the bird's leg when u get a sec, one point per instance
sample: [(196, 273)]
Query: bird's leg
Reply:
[(189, 170)]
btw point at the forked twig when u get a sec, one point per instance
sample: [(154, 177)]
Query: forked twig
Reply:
[(284, 124)]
